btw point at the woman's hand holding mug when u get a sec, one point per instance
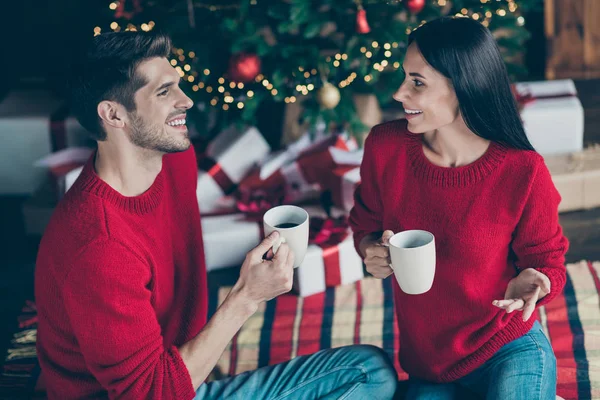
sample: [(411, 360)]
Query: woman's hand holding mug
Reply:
[(377, 254)]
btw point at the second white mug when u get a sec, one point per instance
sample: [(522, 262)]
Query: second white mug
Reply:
[(413, 260)]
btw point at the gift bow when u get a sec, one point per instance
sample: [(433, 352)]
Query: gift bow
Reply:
[(214, 169), (258, 201), (328, 232)]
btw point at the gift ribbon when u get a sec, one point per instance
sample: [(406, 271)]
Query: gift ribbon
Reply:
[(525, 98), (215, 170), (328, 234)]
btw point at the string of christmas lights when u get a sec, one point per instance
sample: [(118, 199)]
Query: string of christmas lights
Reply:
[(228, 93)]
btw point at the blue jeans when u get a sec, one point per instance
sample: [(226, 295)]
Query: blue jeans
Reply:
[(352, 372), (524, 369)]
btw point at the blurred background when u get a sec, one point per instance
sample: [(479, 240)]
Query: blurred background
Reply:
[(293, 69)]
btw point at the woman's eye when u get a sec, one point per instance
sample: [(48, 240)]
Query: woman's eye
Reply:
[(417, 82)]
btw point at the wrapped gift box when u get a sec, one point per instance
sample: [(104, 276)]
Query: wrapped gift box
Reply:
[(227, 239), (299, 173), (328, 266), (228, 158), (331, 259), (552, 115), (343, 180), (332, 262), (32, 124), (577, 178), (65, 166)]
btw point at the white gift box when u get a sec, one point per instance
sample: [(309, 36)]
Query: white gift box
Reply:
[(66, 166), (327, 265), (25, 136), (234, 153), (227, 239), (311, 276), (349, 181), (554, 119)]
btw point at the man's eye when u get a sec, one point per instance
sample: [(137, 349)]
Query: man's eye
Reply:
[(164, 92)]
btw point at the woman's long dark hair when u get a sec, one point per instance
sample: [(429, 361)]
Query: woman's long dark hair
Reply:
[(465, 52)]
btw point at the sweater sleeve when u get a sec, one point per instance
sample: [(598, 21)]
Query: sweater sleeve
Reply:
[(538, 241), (108, 301), (367, 214)]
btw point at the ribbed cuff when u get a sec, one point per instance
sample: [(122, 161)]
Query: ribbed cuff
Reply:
[(184, 389), (558, 278)]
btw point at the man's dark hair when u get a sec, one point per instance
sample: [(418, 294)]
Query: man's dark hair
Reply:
[(106, 70)]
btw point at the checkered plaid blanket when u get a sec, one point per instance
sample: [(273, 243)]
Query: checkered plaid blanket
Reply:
[(289, 326)]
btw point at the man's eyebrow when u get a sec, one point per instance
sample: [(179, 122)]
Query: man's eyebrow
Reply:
[(166, 85)]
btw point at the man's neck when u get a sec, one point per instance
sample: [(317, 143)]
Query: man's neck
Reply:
[(129, 170)]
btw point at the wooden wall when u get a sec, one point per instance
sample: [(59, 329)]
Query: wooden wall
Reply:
[(573, 36)]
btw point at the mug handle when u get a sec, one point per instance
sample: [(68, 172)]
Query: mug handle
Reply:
[(277, 244)]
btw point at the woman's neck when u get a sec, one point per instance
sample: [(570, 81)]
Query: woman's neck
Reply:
[(453, 145)]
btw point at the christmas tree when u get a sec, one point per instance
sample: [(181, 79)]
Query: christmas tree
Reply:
[(234, 55)]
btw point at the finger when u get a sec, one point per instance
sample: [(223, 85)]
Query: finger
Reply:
[(377, 251), (266, 244), (380, 271), (516, 305), (282, 254), (269, 255), (529, 308), (385, 237), (290, 261), (543, 281), (503, 303), (378, 261)]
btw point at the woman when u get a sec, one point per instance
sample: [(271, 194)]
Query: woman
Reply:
[(460, 166)]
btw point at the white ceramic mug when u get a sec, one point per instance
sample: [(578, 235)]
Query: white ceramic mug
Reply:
[(413, 260), (295, 236)]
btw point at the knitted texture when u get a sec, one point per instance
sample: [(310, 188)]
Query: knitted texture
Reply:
[(120, 282), (490, 219)]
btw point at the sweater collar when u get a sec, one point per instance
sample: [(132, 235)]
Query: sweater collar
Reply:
[(90, 182), (453, 176)]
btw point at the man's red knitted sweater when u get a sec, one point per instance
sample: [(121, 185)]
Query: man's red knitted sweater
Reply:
[(119, 283), (490, 219)]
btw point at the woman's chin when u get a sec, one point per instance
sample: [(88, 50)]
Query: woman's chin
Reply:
[(414, 128)]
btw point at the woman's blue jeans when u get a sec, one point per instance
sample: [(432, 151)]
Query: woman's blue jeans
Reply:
[(524, 369)]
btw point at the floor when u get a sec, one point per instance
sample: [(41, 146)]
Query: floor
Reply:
[(18, 251)]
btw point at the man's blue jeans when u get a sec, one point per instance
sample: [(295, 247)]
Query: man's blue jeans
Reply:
[(352, 372), (524, 369)]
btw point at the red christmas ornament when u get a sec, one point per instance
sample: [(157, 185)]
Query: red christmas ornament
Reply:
[(415, 6), (362, 25), (121, 13), (244, 67)]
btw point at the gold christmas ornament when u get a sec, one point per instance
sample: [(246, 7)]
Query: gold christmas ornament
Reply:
[(328, 96)]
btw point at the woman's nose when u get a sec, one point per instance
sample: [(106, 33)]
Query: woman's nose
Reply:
[(400, 94)]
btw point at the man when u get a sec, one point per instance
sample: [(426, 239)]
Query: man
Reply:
[(120, 275)]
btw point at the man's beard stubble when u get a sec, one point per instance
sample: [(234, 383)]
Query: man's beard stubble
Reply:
[(153, 137)]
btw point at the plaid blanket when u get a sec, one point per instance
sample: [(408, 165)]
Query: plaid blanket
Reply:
[(289, 326)]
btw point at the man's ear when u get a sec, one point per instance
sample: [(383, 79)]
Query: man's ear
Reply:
[(111, 113)]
